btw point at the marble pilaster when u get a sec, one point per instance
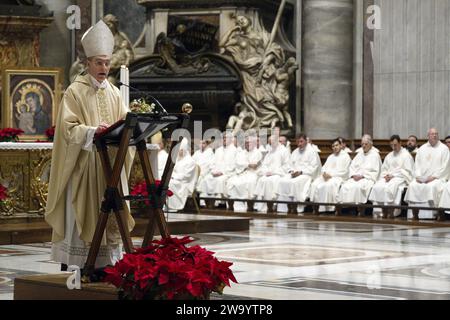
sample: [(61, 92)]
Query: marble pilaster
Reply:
[(328, 68)]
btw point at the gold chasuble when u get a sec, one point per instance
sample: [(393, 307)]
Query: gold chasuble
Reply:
[(77, 172)]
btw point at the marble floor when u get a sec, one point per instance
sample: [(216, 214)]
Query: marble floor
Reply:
[(291, 259)]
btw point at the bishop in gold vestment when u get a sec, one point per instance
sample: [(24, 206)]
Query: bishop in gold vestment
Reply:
[(77, 181)]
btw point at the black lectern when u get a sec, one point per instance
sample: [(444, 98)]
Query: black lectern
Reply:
[(133, 131)]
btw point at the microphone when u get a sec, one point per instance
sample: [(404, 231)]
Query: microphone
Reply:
[(120, 83)]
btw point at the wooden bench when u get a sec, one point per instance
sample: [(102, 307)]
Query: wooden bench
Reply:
[(360, 207)]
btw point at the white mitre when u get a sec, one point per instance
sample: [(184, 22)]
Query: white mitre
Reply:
[(98, 40)]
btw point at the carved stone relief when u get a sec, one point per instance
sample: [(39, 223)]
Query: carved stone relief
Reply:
[(266, 75)]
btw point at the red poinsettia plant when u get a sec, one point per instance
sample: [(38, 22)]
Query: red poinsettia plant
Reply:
[(3, 193), (168, 269), (50, 133), (10, 134), (140, 189)]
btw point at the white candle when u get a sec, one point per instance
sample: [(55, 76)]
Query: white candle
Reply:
[(124, 89)]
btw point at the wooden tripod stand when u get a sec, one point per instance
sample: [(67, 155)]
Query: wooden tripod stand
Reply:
[(133, 131)]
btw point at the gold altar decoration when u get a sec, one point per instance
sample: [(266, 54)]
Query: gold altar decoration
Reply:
[(40, 179), (19, 40), (18, 173), (25, 173)]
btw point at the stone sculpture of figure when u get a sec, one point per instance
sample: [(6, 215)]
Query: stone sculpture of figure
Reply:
[(123, 56), (243, 120), (176, 57), (122, 45), (260, 63), (165, 47), (123, 53), (283, 77)]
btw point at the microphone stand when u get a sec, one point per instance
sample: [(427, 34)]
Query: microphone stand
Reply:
[(147, 95)]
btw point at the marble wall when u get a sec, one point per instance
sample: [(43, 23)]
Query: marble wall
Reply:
[(327, 68), (55, 40), (412, 68)]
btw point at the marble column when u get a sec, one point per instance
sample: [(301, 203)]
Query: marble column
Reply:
[(328, 68)]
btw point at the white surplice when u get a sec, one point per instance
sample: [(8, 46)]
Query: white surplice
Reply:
[(224, 162), (367, 165), (399, 165), (430, 162), (182, 182), (337, 166), (242, 184), (306, 161), (204, 159), (162, 159), (272, 169)]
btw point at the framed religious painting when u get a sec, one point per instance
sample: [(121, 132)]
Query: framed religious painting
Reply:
[(30, 100)]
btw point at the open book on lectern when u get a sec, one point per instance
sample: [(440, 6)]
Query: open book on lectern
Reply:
[(145, 125)]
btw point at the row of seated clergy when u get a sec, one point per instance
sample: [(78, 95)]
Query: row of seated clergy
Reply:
[(235, 173), (245, 174), (426, 177)]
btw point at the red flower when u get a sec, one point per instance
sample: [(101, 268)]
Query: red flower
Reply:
[(168, 269), (50, 133), (141, 189), (3, 193), (10, 134)]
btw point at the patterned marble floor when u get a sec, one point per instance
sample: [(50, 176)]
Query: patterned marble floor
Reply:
[(292, 259)]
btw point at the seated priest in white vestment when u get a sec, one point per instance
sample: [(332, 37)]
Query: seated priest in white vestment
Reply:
[(325, 189), (445, 198), (316, 148), (161, 158), (397, 172), (344, 145), (223, 167), (285, 149), (360, 149), (285, 142), (272, 169), (364, 172), (77, 182), (411, 144), (303, 167), (203, 158), (430, 175), (447, 142), (242, 184), (261, 147), (182, 182)]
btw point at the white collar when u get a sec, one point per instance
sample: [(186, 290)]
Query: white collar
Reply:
[(97, 84)]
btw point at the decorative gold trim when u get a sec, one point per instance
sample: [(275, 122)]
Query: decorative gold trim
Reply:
[(39, 187)]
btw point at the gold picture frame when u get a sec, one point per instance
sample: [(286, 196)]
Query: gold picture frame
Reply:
[(31, 98)]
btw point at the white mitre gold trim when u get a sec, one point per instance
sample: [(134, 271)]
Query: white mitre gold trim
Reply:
[(98, 40)]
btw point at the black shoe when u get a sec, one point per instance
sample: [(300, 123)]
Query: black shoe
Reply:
[(98, 275)]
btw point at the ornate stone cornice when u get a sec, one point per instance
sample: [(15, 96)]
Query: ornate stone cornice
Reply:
[(14, 24), (271, 5)]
